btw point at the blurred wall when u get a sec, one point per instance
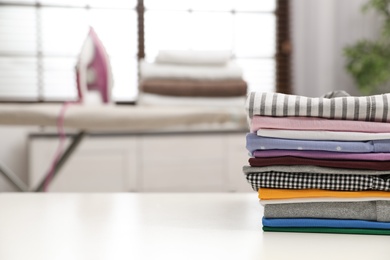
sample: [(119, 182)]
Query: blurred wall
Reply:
[(320, 31)]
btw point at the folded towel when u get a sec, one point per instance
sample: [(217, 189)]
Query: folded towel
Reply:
[(169, 71), (234, 103), (369, 108), (194, 57), (367, 210), (195, 88)]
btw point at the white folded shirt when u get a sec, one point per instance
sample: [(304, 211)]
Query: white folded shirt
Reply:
[(169, 71), (194, 57), (322, 135)]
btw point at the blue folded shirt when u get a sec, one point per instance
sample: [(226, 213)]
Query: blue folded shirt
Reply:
[(318, 222), (254, 142)]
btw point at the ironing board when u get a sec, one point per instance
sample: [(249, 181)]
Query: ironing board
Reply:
[(107, 118)]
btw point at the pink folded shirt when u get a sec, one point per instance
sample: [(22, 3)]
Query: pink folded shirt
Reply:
[(313, 123)]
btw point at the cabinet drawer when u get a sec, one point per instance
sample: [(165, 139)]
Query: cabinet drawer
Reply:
[(183, 163), (97, 165)]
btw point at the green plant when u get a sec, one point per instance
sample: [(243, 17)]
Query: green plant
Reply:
[(369, 61)]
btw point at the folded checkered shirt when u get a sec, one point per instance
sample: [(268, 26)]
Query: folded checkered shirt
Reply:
[(341, 182)]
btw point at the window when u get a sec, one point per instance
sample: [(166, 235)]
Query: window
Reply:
[(40, 40), (246, 27)]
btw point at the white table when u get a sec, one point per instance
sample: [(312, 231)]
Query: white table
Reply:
[(160, 226)]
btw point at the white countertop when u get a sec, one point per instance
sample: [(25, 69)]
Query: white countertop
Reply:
[(160, 226)]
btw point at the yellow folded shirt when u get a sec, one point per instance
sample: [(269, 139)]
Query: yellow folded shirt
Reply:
[(270, 194)]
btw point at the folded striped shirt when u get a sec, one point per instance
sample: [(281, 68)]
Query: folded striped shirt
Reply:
[(366, 108), (339, 182)]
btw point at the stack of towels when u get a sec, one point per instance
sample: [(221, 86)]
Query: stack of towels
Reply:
[(320, 165), (192, 78)]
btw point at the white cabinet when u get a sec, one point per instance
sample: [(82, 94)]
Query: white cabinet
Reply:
[(188, 162), (237, 157), (184, 162), (97, 165)]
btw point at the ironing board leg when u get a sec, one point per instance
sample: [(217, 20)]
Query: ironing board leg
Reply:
[(13, 178), (65, 156)]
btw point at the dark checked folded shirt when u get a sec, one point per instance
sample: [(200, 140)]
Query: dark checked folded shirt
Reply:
[(340, 182)]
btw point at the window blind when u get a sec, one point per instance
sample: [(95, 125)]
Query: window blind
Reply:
[(18, 53), (41, 39)]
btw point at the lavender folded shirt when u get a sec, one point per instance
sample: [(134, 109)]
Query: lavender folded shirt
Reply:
[(254, 142), (323, 155)]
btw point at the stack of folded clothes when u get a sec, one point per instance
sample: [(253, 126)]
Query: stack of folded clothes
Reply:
[(192, 78), (321, 165)]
